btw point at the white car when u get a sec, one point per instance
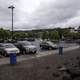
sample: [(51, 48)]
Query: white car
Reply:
[(7, 48), (26, 47)]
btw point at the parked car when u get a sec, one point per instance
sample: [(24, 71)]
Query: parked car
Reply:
[(48, 45), (26, 47), (77, 41), (7, 48)]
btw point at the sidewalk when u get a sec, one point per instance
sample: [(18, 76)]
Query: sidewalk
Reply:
[(56, 51)]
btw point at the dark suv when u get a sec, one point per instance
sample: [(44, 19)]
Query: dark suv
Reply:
[(48, 45)]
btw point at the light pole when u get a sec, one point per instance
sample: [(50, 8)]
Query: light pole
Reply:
[(12, 8)]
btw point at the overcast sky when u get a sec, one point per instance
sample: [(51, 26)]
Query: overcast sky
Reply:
[(35, 14)]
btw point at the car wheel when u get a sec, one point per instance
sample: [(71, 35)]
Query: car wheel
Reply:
[(50, 48), (5, 54), (34, 52), (21, 52), (1, 53), (24, 52)]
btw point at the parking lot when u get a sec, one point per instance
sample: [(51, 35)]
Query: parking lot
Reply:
[(40, 53)]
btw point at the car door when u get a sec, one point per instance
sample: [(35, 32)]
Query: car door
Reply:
[(20, 46), (45, 45)]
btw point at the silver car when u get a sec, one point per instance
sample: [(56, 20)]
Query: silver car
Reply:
[(26, 47), (7, 48)]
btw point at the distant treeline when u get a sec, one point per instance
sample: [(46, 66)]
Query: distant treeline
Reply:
[(52, 34)]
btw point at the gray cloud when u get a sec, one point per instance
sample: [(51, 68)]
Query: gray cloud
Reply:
[(57, 12), (41, 13)]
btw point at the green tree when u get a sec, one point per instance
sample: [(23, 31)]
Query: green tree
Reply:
[(45, 35), (53, 35), (4, 34), (19, 35)]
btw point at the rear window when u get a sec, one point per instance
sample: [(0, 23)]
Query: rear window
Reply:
[(8, 45)]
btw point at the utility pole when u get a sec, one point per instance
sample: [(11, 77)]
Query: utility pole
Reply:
[(12, 8)]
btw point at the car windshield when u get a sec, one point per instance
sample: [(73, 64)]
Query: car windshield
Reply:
[(26, 43), (8, 45), (50, 43)]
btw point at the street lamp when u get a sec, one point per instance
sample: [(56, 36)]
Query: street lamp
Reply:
[(12, 8)]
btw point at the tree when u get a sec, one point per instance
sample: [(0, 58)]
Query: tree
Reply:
[(19, 35), (66, 33), (54, 35), (60, 32), (45, 35), (4, 34)]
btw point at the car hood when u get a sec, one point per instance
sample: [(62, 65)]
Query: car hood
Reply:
[(12, 50), (30, 46), (52, 45)]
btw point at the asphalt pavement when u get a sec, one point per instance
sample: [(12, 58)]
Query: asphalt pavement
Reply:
[(68, 47)]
